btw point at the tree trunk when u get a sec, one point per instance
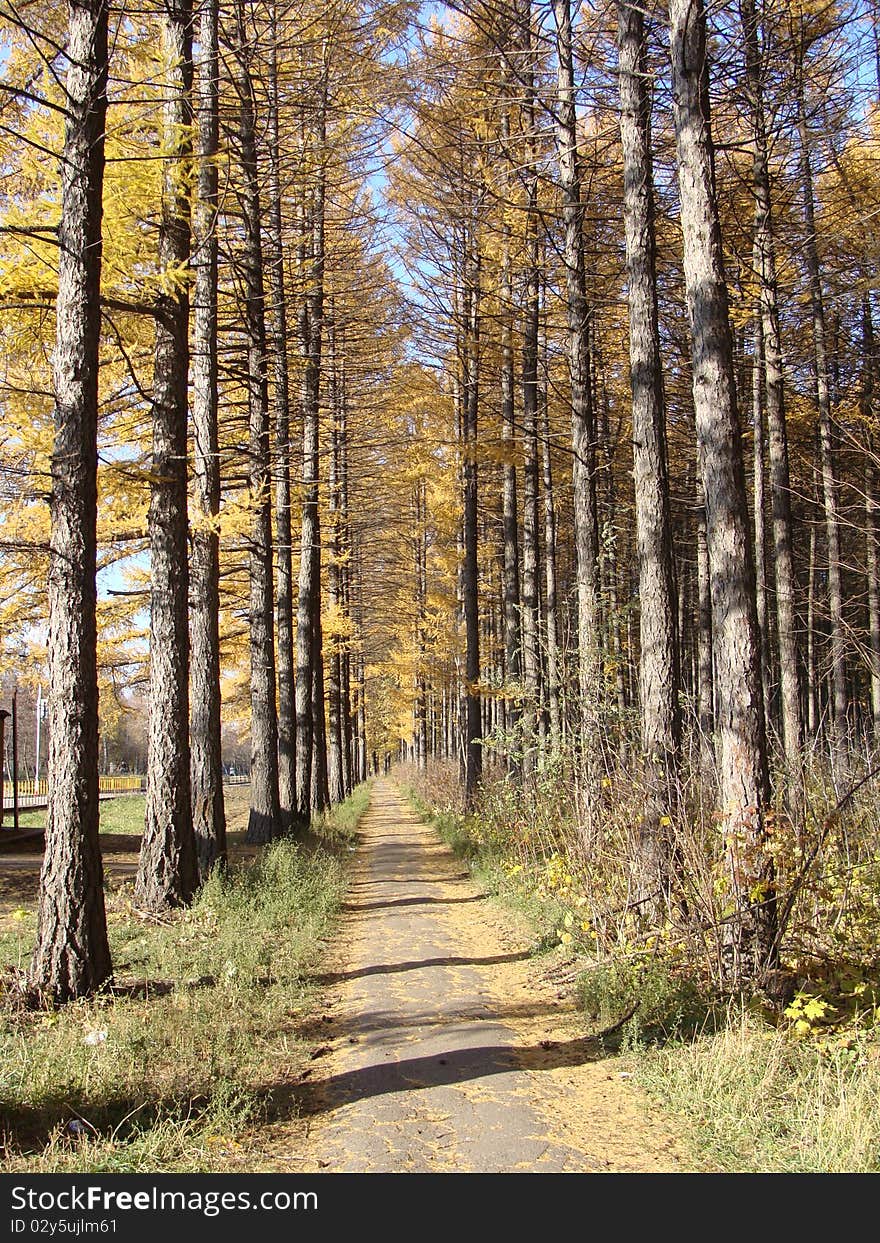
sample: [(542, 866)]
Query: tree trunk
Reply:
[(780, 490), (552, 621), (705, 677), (320, 794), (421, 576), (872, 560), (758, 500), (510, 513), (840, 698), (71, 956), (748, 939), (209, 817), (335, 761), (345, 527), (658, 629), (264, 821), (531, 650), (812, 676), (308, 607), (586, 538), (168, 867), (470, 570), (281, 396)]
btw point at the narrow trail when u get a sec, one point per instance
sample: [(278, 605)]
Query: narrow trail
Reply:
[(448, 1047)]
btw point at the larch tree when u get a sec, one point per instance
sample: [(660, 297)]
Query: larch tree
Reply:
[(768, 335), (659, 673), (826, 429), (264, 821), (209, 818), (72, 957), (168, 868), (311, 333), (586, 530), (282, 442), (749, 939)]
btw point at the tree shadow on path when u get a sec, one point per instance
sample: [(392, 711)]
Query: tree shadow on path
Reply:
[(393, 902), (444, 1069), (394, 968)]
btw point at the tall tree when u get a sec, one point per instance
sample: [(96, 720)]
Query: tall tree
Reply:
[(72, 956), (827, 456), (281, 401), (510, 508), (586, 531), (659, 672), (872, 560), (749, 939), (168, 867), (769, 336), (470, 328), (209, 816), (311, 331), (264, 821)]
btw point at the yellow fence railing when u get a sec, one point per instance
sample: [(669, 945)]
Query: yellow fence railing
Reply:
[(30, 789)]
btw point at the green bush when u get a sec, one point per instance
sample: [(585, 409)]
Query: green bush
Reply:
[(664, 1003)]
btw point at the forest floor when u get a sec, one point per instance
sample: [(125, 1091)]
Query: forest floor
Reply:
[(444, 1044)]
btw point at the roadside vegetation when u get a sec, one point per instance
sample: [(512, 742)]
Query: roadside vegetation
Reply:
[(197, 1041), (786, 1078)]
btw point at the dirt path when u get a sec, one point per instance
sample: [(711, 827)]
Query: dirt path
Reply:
[(448, 1046)]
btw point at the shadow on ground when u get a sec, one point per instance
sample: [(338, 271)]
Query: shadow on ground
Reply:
[(441, 1070), (386, 906), (394, 968)]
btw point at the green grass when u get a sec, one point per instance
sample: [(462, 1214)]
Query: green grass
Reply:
[(339, 825), (122, 814), (201, 1037)]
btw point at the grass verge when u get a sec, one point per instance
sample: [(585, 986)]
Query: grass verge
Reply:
[(198, 1040)]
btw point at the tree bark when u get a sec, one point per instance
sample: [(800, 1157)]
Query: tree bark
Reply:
[(705, 675), (748, 939), (264, 821), (346, 582), (510, 510), (830, 500), (586, 538), (168, 867), (335, 749), (777, 434), (470, 569), (71, 956), (659, 671), (813, 694), (308, 605), (550, 578), (283, 536), (759, 500), (872, 558), (531, 649), (209, 816)]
